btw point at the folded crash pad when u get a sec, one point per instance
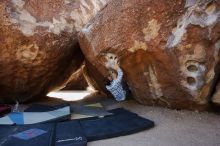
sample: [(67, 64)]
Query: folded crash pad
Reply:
[(114, 122), (70, 134), (28, 135), (44, 108), (89, 110), (21, 118), (78, 111), (122, 123)]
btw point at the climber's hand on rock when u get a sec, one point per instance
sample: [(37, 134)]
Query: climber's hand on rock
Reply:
[(113, 65)]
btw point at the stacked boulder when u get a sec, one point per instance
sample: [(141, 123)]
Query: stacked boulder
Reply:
[(39, 49), (168, 50)]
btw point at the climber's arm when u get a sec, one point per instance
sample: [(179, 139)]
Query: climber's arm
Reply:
[(120, 74)]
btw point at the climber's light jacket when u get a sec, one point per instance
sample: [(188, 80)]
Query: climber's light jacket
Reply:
[(116, 87)]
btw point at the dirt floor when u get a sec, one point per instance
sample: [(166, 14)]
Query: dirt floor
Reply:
[(173, 128)]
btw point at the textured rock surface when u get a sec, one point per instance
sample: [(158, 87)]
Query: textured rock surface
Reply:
[(77, 81), (39, 49), (168, 50), (216, 97)]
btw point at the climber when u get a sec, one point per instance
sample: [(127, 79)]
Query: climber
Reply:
[(117, 87)]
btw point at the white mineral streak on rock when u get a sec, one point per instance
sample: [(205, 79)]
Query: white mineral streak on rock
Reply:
[(155, 87), (28, 24), (87, 12), (196, 14), (85, 16), (104, 2), (79, 18), (82, 18), (217, 48), (85, 4), (190, 3), (19, 3), (86, 31), (23, 18), (75, 15)]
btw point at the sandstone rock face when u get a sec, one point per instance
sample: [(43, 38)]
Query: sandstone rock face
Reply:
[(77, 81), (39, 49), (168, 50), (216, 97)]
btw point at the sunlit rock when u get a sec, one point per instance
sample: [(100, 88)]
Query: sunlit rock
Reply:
[(168, 50)]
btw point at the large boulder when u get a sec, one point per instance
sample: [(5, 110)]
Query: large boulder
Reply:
[(215, 100), (168, 50), (216, 97), (39, 50)]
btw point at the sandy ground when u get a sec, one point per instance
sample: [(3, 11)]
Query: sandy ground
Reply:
[(173, 128)]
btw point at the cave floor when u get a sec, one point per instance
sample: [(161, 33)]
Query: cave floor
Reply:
[(172, 127)]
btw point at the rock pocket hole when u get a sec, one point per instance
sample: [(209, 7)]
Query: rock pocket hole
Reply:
[(180, 25), (191, 80), (192, 68), (211, 8)]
